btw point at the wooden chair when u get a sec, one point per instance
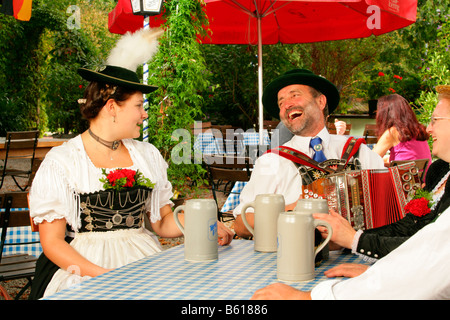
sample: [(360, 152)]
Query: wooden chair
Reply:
[(421, 164), (224, 172), (15, 266), (332, 128), (19, 145), (370, 133)]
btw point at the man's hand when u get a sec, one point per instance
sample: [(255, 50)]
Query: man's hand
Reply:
[(280, 291), (349, 270)]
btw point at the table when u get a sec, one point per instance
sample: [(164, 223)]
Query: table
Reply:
[(43, 146), (233, 199), (236, 275), (206, 143), (20, 235)]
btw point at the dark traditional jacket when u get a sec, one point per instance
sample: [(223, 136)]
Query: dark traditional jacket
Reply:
[(378, 242)]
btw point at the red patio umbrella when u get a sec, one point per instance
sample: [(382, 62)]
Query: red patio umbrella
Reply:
[(121, 19), (259, 22)]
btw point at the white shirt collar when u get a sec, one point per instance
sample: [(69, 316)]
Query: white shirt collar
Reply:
[(303, 142)]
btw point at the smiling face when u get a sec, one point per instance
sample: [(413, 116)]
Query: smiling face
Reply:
[(440, 130), (130, 115), (300, 111)]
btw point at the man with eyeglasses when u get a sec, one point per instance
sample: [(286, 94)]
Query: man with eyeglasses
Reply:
[(433, 119), (417, 269)]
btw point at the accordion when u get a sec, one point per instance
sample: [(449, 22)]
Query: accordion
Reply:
[(368, 198)]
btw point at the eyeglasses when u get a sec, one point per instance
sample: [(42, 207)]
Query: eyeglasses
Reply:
[(433, 120)]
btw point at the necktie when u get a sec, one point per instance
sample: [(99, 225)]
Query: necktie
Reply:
[(316, 145)]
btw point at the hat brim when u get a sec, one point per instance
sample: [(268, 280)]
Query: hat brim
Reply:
[(304, 77), (116, 78)]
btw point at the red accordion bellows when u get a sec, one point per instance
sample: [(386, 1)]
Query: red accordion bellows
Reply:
[(368, 198)]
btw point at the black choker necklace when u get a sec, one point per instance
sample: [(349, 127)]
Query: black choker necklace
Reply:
[(110, 144)]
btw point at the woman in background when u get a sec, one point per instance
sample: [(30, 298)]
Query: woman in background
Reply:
[(399, 131)]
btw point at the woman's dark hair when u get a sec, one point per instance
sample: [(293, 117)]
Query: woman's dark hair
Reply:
[(394, 111), (97, 94)]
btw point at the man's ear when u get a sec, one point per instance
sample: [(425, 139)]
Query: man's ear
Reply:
[(322, 101)]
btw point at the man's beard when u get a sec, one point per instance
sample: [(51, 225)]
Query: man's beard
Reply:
[(298, 128), (301, 128)]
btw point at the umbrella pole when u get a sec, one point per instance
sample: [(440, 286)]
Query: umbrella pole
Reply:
[(260, 83), (145, 81)]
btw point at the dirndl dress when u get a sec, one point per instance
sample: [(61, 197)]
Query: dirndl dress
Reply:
[(112, 233)]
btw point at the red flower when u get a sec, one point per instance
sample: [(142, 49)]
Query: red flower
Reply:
[(391, 90), (397, 77), (418, 207), (121, 177), (381, 74), (124, 178)]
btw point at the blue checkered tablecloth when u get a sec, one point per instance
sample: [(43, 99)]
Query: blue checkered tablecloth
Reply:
[(207, 144), (233, 199), (18, 235), (236, 275)]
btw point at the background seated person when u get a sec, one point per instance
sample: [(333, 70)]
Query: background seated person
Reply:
[(399, 131)]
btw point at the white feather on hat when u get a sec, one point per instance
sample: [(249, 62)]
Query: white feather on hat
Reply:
[(134, 49)]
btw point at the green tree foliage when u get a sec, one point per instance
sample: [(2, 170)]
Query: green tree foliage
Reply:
[(435, 69), (20, 66), (81, 41), (232, 97), (178, 69), (38, 62)]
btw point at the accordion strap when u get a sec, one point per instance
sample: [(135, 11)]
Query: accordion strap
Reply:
[(350, 149), (299, 157)]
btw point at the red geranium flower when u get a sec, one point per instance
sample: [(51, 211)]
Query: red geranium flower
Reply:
[(418, 207), (381, 74), (124, 178), (121, 178)]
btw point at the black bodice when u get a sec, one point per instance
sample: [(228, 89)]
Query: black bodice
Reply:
[(108, 210)]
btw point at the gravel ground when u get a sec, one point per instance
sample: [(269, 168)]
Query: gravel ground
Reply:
[(14, 286)]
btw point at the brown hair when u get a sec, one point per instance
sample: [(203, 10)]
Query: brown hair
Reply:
[(394, 111), (97, 94)]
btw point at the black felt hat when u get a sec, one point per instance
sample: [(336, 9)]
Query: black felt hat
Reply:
[(117, 76), (299, 76)]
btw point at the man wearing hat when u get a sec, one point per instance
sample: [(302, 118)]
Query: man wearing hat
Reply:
[(302, 100)]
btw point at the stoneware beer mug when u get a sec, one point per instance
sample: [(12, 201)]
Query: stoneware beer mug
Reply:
[(315, 206), (312, 205), (295, 255), (266, 207), (200, 229)]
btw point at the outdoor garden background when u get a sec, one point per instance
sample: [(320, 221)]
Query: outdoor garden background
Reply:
[(39, 85)]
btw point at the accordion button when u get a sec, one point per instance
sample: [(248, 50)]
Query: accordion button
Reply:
[(369, 253), (375, 255), (362, 250)]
